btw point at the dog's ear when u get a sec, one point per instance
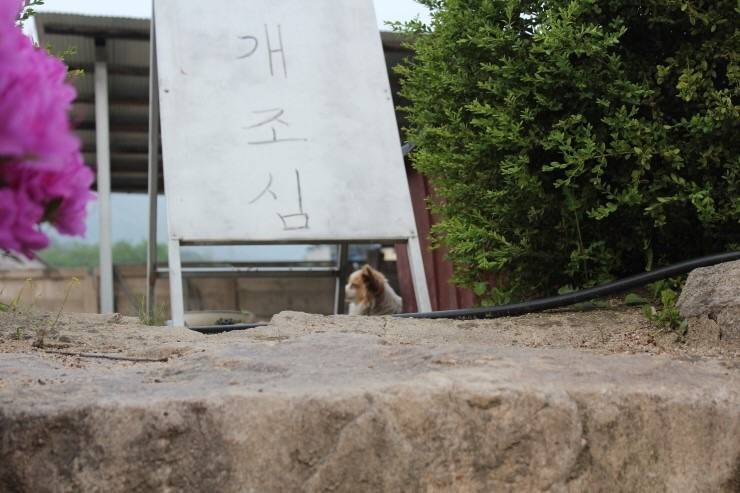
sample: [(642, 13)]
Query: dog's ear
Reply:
[(373, 280)]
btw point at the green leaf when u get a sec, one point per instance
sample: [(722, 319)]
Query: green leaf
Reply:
[(633, 299), (566, 289), (480, 288)]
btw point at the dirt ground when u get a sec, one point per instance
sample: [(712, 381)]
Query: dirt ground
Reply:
[(619, 329)]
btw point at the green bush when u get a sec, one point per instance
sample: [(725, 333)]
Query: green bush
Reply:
[(572, 142)]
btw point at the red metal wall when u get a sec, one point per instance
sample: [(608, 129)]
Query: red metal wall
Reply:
[(444, 296)]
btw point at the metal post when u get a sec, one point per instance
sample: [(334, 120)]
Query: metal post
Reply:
[(176, 293), (151, 257), (342, 271), (102, 145), (416, 262)]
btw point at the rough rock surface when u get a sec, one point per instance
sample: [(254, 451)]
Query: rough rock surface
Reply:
[(314, 403), (710, 300)]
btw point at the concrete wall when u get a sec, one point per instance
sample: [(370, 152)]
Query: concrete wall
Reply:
[(129, 290), (265, 296), (45, 290)]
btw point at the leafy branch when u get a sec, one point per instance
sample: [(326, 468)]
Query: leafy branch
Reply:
[(29, 10)]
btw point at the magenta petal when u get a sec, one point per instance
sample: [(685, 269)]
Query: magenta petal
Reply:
[(35, 102), (7, 220), (9, 11), (21, 233), (42, 174)]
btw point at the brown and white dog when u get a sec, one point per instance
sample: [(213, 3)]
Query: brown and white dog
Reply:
[(369, 293)]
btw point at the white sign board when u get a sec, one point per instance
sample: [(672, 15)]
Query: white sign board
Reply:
[(278, 123), (278, 126)]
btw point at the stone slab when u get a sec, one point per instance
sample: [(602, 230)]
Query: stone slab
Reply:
[(710, 301), (314, 403)]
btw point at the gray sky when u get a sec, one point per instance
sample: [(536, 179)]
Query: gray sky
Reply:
[(385, 10)]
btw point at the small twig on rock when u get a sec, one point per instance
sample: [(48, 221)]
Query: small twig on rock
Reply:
[(53, 345), (108, 356)]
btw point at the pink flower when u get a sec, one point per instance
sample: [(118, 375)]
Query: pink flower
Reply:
[(7, 220), (9, 10), (42, 175), (20, 218), (34, 100), (69, 218), (63, 191)]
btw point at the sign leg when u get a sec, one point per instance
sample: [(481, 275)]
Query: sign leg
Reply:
[(176, 295), (416, 262), (102, 146), (342, 254), (151, 257)]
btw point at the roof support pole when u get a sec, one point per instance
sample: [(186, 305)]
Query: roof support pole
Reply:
[(151, 257), (342, 273), (102, 145)]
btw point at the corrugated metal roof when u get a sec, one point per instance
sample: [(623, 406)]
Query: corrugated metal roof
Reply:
[(127, 53)]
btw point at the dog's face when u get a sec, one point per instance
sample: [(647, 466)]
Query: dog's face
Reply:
[(364, 285)]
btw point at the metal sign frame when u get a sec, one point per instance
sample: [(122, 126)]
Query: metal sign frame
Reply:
[(176, 269)]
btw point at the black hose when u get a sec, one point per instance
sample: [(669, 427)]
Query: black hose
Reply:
[(218, 329), (619, 286), (515, 309)]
